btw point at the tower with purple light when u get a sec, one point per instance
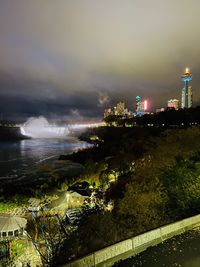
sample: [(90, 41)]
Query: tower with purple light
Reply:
[(187, 90)]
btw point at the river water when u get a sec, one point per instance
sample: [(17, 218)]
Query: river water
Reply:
[(16, 156)]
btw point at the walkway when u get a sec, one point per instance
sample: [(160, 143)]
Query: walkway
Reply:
[(180, 251)]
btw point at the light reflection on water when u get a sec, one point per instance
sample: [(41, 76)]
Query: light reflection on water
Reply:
[(18, 155)]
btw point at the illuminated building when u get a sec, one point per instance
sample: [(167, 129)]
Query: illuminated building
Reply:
[(160, 110), (173, 103), (188, 96), (127, 112), (187, 90), (141, 106), (108, 112), (120, 108)]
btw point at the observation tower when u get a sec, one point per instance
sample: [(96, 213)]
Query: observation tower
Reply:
[(187, 90)]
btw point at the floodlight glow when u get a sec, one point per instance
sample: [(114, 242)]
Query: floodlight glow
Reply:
[(145, 104), (187, 70), (40, 128)]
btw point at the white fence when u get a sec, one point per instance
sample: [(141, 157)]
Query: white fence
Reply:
[(108, 256)]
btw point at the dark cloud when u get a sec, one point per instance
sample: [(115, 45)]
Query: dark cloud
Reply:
[(104, 99), (58, 57)]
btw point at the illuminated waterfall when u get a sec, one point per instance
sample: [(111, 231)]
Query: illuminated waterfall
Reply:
[(40, 128)]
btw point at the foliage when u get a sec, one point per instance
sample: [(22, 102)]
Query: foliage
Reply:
[(104, 229), (182, 185), (158, 185), (152, 175), (144, 205), (48, 233)]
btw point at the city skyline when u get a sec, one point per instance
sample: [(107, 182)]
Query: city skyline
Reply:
[(71, 59), (141, 104)]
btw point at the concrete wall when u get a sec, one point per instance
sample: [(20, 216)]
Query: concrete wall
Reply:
[(108, 256)]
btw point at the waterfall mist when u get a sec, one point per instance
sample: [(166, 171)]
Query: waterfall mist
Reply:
[(40, 128)]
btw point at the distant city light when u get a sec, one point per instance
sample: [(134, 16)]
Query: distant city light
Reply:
[(187, 70), (173, 103), (141, 106), (145, 104), (186, 99)]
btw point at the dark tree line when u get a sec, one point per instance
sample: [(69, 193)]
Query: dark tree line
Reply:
[(168, 118)]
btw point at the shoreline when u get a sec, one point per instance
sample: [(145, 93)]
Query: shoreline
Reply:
[(11, 134)]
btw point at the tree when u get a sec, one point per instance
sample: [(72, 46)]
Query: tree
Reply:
[(48, 235), (143, 204), (182, 185)]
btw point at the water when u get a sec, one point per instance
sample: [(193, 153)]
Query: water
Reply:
[(16, 156)]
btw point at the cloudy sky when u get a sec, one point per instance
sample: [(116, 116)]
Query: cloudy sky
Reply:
[(71, 58)]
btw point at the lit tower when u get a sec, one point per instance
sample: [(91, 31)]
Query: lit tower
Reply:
[(141, 106), (187, 90)]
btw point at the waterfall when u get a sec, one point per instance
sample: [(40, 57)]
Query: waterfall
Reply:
[(40, 128)]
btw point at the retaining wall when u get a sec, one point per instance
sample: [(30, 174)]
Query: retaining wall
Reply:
[(108, 256)]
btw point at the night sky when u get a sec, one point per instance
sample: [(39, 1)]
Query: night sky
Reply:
[(72, 58)]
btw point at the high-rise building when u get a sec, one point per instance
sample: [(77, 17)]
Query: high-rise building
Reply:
[(120, 108), (173, 103), (189, 97), (187, 90), (141, 106)]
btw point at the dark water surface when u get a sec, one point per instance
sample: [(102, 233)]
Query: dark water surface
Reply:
[(180, 251), (16, 156)]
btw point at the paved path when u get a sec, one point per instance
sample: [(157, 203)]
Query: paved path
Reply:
[(180, 251)]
